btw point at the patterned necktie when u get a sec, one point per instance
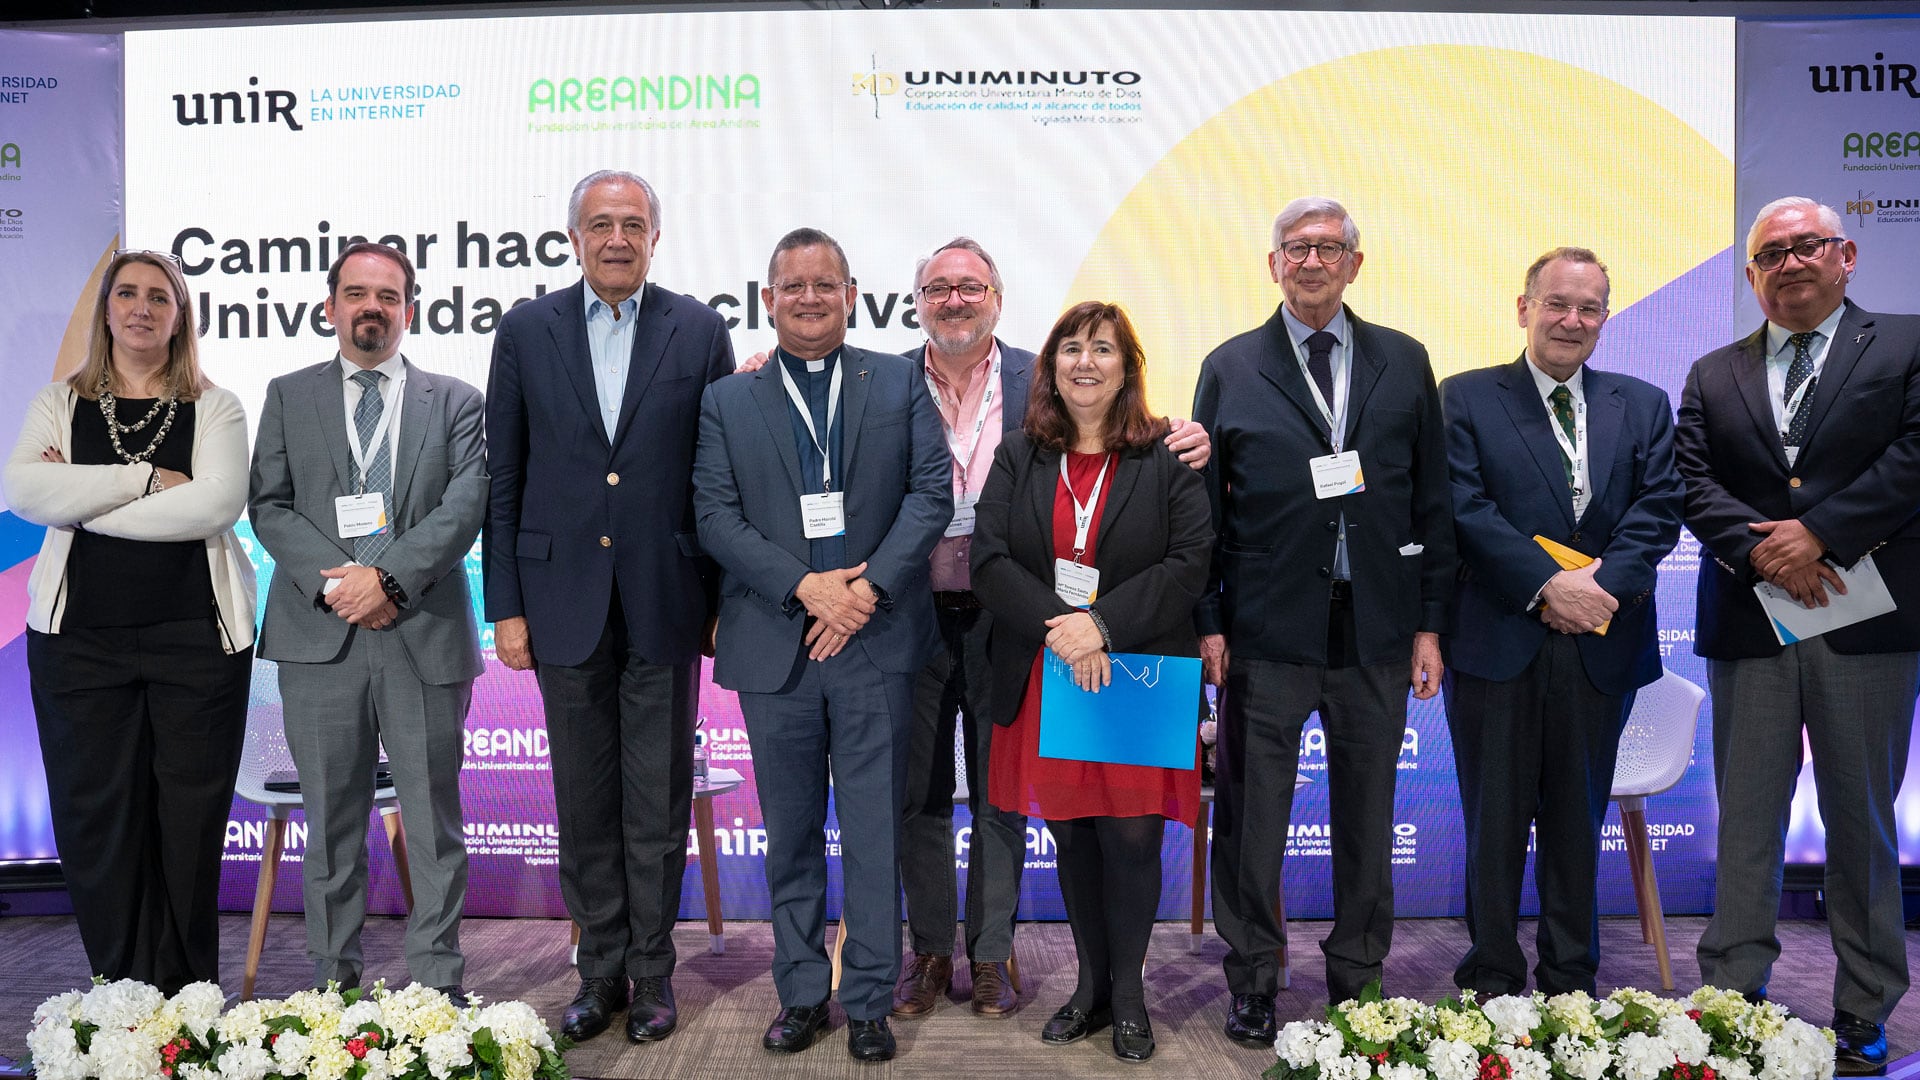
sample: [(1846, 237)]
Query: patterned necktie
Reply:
[(1799, 372), (1320, 363), (379, 459), (1562, 401)]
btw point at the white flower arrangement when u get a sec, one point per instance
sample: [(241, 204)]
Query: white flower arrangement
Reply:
[(131, 1031), (1628, 1035)]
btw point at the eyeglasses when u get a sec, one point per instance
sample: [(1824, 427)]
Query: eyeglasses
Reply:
[(1558, 309), (792, 290), (1331, 251), (1805, 250), (971, 292), (167, 255)]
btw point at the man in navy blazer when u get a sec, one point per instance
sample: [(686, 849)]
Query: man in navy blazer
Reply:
[(821, 485), (1536, 694), (595, 580), (1326, 597), (1801, 450)]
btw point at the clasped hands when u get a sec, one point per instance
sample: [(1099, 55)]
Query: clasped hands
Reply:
[(1077, 641), (1571, 602), (1789, 558), (359, 599), (838, 607)]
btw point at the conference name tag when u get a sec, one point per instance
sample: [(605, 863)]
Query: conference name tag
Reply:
[(1335, 475), (1074, 583), (963, 515), (823, 515), (360, 515)]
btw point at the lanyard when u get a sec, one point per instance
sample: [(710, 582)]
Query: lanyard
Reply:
[(963, 453), (806, 414), (379, 430), (1083, 512), (1336, 425), (1576, 450)]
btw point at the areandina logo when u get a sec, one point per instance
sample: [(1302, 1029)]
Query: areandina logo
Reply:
[(9, 155), (643, 93)]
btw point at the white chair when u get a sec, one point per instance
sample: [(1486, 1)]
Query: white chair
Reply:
[(1655, 747), (266, 760)]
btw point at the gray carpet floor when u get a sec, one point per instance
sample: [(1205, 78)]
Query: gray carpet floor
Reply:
[(725, 1001)]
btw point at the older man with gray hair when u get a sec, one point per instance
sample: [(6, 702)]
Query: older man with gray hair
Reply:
[(1800, 447), (1332, 574)]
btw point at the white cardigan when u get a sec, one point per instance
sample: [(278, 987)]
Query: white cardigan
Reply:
[(111, 500)]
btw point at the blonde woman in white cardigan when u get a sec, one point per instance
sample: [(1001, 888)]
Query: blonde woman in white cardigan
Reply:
[(139, 625)]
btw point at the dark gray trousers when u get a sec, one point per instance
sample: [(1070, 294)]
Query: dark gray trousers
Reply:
[(955, 686)]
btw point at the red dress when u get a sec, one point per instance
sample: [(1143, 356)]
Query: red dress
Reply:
[(1019, 780)]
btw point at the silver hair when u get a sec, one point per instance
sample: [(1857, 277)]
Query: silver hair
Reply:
[(960, 243), (588, 182), (1315, 206), (1828, 217)]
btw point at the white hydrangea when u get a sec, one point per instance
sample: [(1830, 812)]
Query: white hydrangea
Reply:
[(245, 1062), (1513, 1017), (1574, 1012), (119, 1054), (1582, 1060), (1800, 1052), (359, 1014), (290, 1053), (515, 1022), (1529, 1064), (1643, 1057), (1402, 1071), (400, 1057), (244, 1025), (1450, 1059), (1466, 1027), (445, 1052), (1690, 1044), (199, 1005), (121, 1005), (56, 1053), (1299, 1043), (1730, 1068), (329, 1060), (416, 1012), (1346, 1067)]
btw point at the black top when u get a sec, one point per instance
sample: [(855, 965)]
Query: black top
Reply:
[(116, 582)]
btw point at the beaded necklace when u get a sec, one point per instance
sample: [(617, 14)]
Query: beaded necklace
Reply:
[(109, 408)]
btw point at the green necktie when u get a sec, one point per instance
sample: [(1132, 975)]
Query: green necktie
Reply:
[(1562, 401)]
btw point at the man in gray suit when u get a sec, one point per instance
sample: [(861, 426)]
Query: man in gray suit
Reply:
[(821, 483), (369, 483)]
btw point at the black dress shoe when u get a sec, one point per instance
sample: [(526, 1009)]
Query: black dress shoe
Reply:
[(651, 1017), (870, 1040), (1250, 1020), (795, 1028), (1132, 1041), (455, 994), (592, 1009), (1859, 1046), (1070, 1025)]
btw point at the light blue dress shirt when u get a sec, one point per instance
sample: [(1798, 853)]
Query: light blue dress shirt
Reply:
[(610, 343)]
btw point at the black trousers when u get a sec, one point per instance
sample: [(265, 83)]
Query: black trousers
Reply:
[(1534, 752), (141, 730), (620, 731)]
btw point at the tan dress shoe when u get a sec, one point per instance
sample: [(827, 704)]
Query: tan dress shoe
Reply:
[(992, 994), (921, 984)]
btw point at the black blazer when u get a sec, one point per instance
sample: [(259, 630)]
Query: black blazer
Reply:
[(1856, 484), (1151, 550), (1269, 592)]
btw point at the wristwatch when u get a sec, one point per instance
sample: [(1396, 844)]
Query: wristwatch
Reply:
[(392, 588)]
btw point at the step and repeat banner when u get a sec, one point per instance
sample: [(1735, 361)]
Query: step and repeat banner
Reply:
[(1831, 110), (59, 221), (1132, 156)]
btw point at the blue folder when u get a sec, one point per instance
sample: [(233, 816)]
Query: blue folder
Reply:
[(1148, 715)]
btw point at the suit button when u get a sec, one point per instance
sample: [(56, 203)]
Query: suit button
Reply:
[(1332, 527), (613, 479), (1324, 572), (1575, 536), (1793, 482), (606, 541)]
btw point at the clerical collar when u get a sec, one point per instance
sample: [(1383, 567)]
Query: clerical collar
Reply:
[(801, 367)]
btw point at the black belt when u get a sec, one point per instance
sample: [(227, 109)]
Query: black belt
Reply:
[(956, 600)]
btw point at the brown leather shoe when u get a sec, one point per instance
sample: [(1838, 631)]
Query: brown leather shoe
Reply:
[(921, 984), (992, 994)]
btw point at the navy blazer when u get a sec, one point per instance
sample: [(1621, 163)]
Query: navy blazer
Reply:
[(898, 480), (1510, 484), (1856, 484), (1273, 557), (574, 511), (1016, 372), (1152, 550)]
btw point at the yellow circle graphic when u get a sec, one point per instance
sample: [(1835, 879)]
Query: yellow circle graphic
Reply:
[(1460, 164)]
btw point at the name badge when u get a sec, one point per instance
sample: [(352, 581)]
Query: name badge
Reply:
[(360, 515), (1335, 475), (1076, 584), (823, 515), (963, 515)]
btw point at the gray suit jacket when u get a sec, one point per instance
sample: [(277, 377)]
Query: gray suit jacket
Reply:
[(899, 499), (301, 463)]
